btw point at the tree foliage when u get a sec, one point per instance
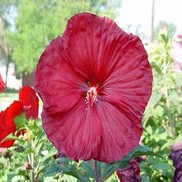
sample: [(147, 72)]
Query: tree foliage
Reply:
[(169, 27), (38, 22)]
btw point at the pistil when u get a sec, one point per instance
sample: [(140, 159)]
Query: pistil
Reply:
[(91, 95)]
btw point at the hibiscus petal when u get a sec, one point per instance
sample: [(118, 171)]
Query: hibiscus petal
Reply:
[(58, 80), (100, 132), (77, 135), (7, 124), (9, 142), (33, 110), (30, 101), (7, 118), (131, 90), (119, 133), (100, 46)]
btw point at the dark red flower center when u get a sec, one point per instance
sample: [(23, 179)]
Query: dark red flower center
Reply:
[(91, 95)]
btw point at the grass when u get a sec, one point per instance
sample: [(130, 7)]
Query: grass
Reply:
[(8, 96)]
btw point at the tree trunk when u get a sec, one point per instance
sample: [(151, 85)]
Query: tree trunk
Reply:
[(152, 21), (7, 68), (28, 79)]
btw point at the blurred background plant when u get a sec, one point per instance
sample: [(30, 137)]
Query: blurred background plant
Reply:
[(163, 117)]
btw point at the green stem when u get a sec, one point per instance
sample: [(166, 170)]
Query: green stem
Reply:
[(33, 176), (166, 93), (96, 171), (109, 174)]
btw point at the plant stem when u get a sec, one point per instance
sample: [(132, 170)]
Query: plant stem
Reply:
[(96, 172), (33, 175)]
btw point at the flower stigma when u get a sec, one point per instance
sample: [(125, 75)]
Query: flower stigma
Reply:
[(91, 96)]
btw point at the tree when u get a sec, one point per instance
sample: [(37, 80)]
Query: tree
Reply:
[(6, 8), (163, 25), (38, 22)]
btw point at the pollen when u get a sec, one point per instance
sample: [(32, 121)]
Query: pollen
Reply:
[(91, 96)]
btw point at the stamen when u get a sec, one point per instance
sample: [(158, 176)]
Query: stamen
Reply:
[(92, 95)]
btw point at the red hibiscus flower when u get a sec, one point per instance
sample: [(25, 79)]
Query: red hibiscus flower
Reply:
[(7, 125), (130, 173), (2, 85), (95, 82), (30, 102)]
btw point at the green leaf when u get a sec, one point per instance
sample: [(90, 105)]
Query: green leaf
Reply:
[(29, 151), (145, 178), (138, 151), (10, 136), (86, 166), (56, 168), (50, 154), (20, 121), (162, 166), (178, 138), (53, 169)]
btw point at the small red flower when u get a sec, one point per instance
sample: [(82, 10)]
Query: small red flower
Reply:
[(2, 85), (130, 173), (7, 125), (95, 82), (30, 101)]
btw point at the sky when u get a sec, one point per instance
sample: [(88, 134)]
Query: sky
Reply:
[(138, 14)]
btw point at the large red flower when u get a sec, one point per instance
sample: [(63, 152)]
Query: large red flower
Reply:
[(30, 101), (95, 82), (2, 85), (7, 125)]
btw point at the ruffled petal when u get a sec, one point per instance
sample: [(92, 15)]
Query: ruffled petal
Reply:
[(30, 101), (7, 124), (100, 132), (131, 90), (119, 133), (100, 46), (7, 119), (32, 112), (76, 133), (58, 85)]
